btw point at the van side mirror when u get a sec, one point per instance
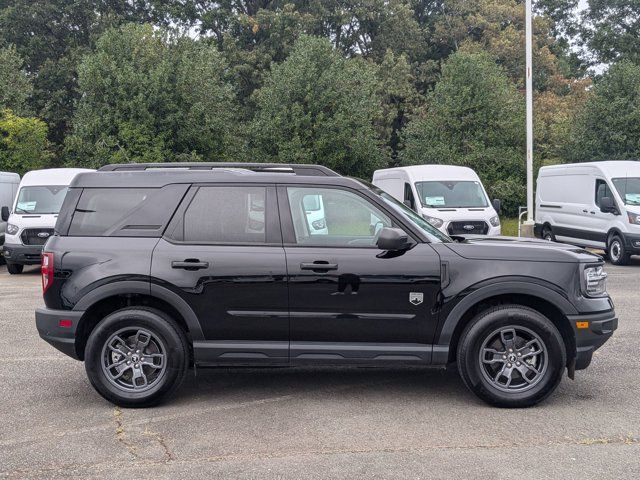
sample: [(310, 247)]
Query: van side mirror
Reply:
[(5, 214), (393, 240), (608, 206), (497, 205)]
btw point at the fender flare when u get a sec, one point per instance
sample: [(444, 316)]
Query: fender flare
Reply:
[(151, 290), (501, 288)]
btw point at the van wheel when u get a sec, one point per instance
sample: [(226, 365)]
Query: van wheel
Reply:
[(511, 356), (616, 252), (14, 268), (136, 356), (547, 234)]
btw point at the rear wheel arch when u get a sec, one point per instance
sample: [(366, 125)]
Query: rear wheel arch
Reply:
[(451, 336), (106, 305)]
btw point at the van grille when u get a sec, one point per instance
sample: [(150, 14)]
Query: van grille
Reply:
[(463, 228), (36, 236)]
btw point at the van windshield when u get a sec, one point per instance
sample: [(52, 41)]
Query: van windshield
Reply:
[(628, 189), (41, 199), (451, 194)]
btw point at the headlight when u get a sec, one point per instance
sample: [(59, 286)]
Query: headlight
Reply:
[(594, 281), (319, 224), (495, 221), (634, 218), (12, 229), (436, 222)]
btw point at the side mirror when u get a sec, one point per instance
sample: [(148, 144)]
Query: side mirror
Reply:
[(394, 240), (5, 214), (607, 205), (497, 205)]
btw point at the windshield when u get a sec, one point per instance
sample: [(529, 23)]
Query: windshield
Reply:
[(451, 194), (41, 200), (433, 234), (628, 189)]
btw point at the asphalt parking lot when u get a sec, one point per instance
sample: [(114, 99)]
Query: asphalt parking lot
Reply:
[(314, 423)]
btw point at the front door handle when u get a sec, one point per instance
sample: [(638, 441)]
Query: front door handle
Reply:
[(190, 264), (319, 266)]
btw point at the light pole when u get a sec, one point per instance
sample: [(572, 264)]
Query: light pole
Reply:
[(527, 229)]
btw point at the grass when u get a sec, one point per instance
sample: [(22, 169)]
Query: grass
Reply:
[(509, 227)]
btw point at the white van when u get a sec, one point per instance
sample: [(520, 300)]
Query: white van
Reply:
[(591, 205), (33, 214), (8, 187), (450, 198)]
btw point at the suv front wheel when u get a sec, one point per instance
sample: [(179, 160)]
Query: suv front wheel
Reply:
[(136, 356), (511, 356)]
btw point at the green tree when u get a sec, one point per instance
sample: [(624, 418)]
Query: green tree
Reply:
[(475, 118), (611, 30), (15, 86), (151, 96), (23, 143), (318, 107), (608, 126)]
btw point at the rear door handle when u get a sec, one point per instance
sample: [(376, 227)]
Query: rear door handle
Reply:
[(190, 264), (319, 266)]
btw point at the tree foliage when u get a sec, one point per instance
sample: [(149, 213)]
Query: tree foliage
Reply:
[(318, 107), (147, 96), (15, 85), (608, 127), (23, 143), (474, 117)]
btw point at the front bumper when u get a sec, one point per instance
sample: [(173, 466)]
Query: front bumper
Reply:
[(22, 254), (631, 243), (48, 323), (596, 329)]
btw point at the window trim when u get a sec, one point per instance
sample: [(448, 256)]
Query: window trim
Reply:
[(273, 232), (286, 220)]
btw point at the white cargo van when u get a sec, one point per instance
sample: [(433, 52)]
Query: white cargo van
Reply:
[(450, 198), (33, 214), (593, 204), (8, 187)]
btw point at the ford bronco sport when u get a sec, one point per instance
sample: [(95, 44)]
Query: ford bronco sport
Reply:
[(156, 268)]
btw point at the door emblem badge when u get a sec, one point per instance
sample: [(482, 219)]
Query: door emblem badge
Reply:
[(416, 298)]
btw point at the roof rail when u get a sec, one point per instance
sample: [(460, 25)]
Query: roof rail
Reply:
[(297, 169)]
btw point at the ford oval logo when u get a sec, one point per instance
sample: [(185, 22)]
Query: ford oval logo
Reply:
[(468, 227), (43, 234)]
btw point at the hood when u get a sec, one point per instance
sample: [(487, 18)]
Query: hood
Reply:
[(480, 247)]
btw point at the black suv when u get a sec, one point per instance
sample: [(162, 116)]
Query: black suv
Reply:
[(156, 268)]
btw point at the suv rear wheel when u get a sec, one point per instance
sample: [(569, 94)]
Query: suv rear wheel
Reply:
[(136, 356), (511, 356)]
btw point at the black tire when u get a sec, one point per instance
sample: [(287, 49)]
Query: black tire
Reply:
[(547, 234), (166, 337), (616, 252), (14, 268), (528, 321)]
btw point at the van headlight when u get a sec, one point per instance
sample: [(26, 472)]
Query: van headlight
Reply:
[(495, 221), (594, 281), (634, 218), (12, 229), (436, 222)]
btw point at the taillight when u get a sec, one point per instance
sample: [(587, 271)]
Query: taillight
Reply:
[(47, 271)]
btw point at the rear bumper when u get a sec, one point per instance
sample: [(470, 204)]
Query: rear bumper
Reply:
[(600, 328), (22, 254), (63, 338)]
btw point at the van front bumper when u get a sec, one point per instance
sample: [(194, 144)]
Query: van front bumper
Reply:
[(22, 254), (631, 243), (591, 332), (58, 328)]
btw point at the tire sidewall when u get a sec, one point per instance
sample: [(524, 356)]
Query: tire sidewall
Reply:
[(547, 230), (622, 257), (469, 356), (161, 326)]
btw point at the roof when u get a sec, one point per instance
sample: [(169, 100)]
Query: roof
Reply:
[(611, 168), (52, 176), (9, 177), (159, 177), (294, 168), (435, 172)]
